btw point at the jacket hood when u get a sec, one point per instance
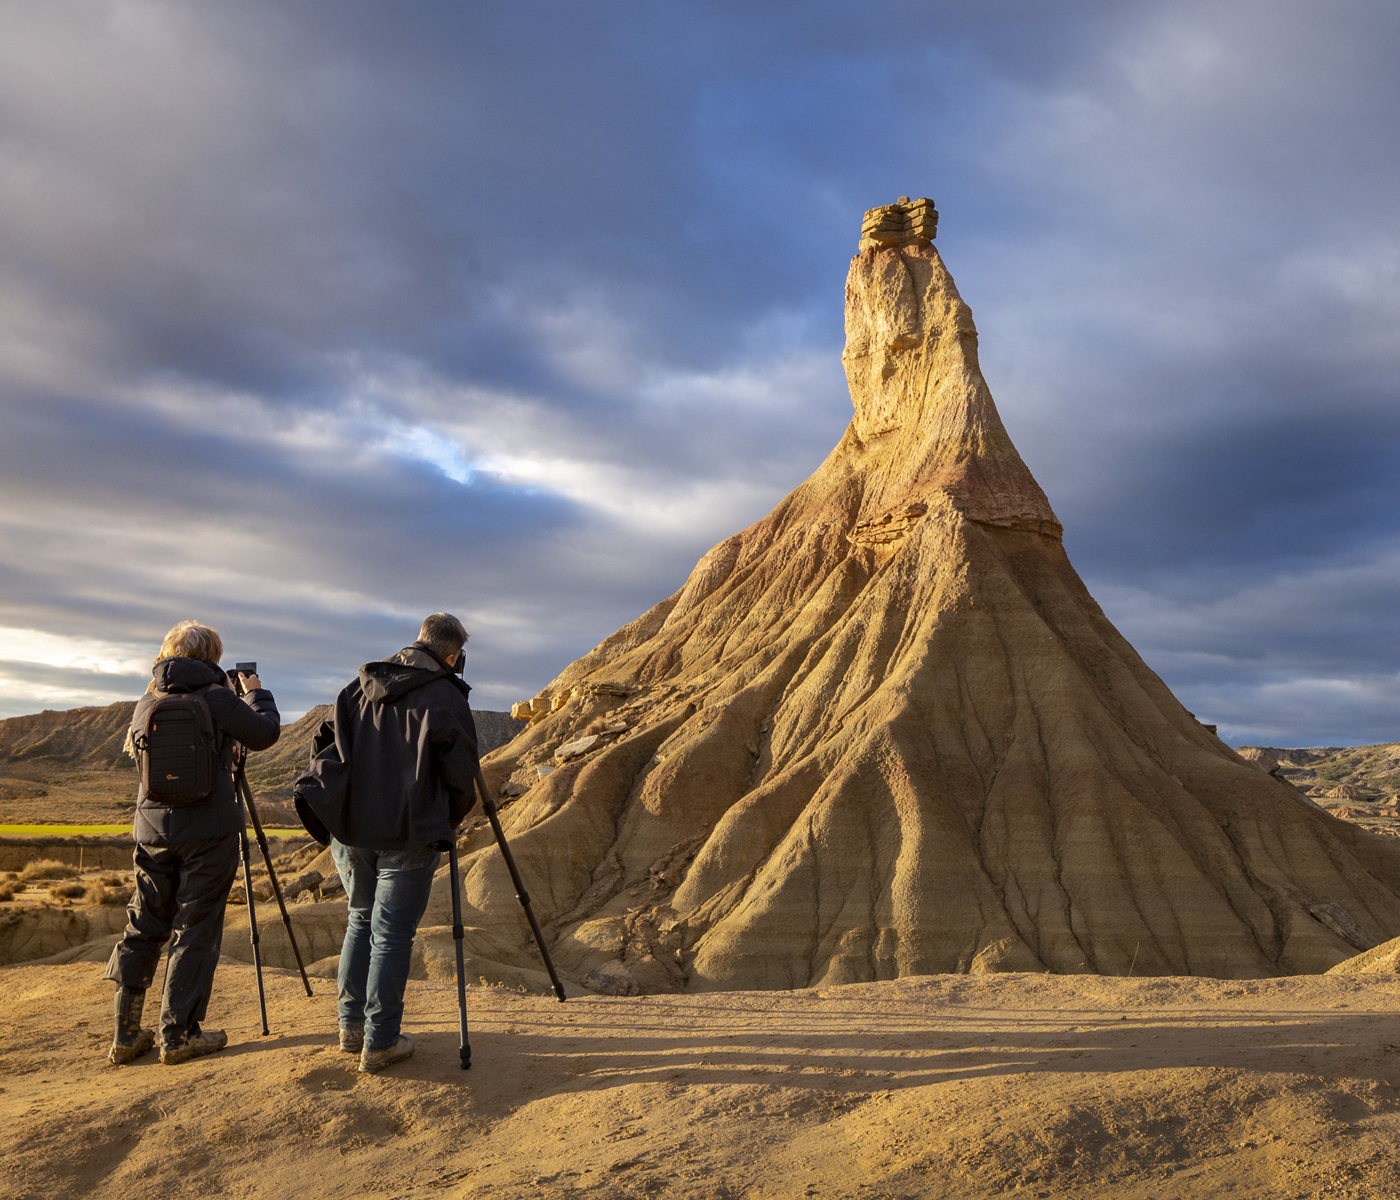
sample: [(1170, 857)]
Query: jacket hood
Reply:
[(398, 675), (185, 674)]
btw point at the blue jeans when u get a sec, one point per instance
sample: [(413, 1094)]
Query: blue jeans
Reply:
[(388, 894)]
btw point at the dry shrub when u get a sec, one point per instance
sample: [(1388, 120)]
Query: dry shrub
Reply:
[(115, 881), (99, 893), (7, 892), (67, 891), (11, 874), (48, 868)]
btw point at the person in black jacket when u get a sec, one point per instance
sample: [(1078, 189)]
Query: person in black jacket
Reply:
[(390, 779), (186, 858)]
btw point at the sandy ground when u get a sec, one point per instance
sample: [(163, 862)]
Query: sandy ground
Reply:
[(948, 1086)]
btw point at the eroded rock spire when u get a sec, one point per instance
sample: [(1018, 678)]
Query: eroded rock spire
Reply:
[(886, 731)]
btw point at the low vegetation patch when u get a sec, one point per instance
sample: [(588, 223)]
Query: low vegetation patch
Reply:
[(102, 892), (48, 868), (68, 891)]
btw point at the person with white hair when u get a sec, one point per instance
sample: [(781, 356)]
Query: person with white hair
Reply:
[(187, 840)]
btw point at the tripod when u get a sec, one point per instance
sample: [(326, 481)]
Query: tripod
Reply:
[(489, 807), (245, 798)]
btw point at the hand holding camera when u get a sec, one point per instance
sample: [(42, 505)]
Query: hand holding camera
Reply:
[(244, 678)]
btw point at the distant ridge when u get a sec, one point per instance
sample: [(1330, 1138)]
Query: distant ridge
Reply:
[(66, 766), (90, 737)]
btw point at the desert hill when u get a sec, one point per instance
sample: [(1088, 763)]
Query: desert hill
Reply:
[(1356, 783), (67, 767), (1367, 773), (80, 737), (886, 731)]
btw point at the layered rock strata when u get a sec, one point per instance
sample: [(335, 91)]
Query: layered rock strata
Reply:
[(904, 222), (886, 731)]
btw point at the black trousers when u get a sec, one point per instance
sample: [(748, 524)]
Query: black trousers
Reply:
[(181, 890)]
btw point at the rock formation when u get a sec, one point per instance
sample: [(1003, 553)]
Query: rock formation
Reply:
[(886, 731), (1261, 758), (905, 222), (89, 738), (1381, 960)]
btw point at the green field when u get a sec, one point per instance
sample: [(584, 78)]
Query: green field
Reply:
[(64, 830), (101, 831)]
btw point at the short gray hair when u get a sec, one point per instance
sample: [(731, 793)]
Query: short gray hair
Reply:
[(443, 634)]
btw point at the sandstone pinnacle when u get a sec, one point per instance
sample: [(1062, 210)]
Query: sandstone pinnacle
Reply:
[(886, 731)]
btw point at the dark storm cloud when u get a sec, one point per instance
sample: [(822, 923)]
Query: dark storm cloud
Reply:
[(314, 317)]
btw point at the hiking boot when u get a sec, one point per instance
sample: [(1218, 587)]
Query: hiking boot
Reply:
[(120, 1054), (352, 1038), (204, 1042), (129, 1040), (377, 1060)]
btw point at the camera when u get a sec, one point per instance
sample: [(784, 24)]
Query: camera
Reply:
[(249, 668)]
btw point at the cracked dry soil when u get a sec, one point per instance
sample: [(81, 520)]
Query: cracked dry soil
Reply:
[(936, 1086)]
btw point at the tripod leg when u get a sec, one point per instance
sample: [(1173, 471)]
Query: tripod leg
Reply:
[(241, 780), (457, 932), (521, 894), (253, 923)]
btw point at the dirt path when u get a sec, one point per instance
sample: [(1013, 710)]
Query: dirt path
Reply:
[(943, 1086)]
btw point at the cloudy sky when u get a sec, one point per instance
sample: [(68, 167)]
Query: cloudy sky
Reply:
[(315, 317)]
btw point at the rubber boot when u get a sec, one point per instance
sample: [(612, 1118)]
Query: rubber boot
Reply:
[(129, 1040)]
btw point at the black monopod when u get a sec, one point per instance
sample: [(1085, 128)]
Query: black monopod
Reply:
[(489, 807)]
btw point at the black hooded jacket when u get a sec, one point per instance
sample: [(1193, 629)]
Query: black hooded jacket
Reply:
[(394, 767), (252, 720)]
